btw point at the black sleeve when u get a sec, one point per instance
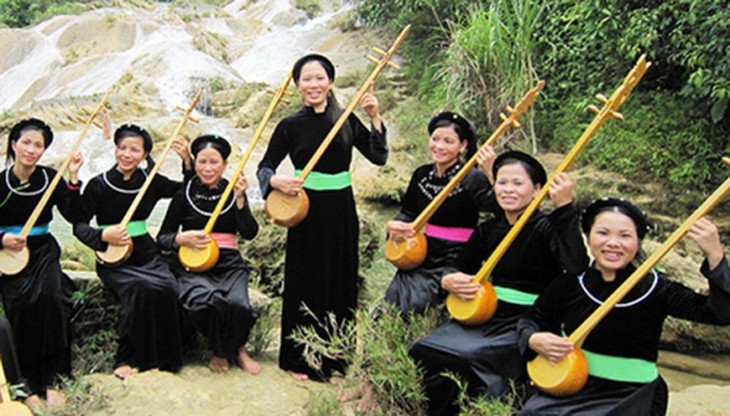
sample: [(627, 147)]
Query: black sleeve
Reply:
[(68, 200), (409, 209), (371, 143), (682, 302), (171, 224), (276, 152), (477, 184), (474, 253), (542, 316), (565, 239), (245, 221), (82, 230), (166, 187)]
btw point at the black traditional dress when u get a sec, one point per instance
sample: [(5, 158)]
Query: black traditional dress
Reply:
[(321, 251), (216, 301), (9, 356), (446, 232), (149, 333), (486, 356), (38, 299), (622, 349)]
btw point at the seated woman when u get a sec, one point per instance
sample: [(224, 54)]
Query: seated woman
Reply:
[(37, 300), (622, 349), (149, 332), (452, 224), (486, 356), (216, 300)]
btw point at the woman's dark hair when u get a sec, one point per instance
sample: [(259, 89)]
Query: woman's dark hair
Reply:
[(463, 128), (211, 141), (28, 124), (329, 68), (621, 205), (531, 165)]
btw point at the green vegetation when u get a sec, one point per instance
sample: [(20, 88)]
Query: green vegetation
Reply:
[(475, 57), (311, 7), (20, 13)]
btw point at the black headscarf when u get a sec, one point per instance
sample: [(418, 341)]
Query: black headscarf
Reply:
[(532, 166), (213, 141), (329, 68), (621, 205)]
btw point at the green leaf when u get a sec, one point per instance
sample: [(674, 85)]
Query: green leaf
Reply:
[(718, 110)]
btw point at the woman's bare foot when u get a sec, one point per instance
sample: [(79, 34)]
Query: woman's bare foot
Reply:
[(218, 364), (367, 404), (34, 402), (124, 371), (299, 376), (348, 395), (247, 363), (54, 399)]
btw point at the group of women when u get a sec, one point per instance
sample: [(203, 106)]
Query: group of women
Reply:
[(545, 283)]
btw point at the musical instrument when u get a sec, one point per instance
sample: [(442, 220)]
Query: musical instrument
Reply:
[(116, 254), (483, 306), (289, 210), (570, 375), (7, 406), (13, 262), (410, 253), (196, 260)]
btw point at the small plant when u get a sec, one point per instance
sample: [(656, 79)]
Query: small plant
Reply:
[(311, 7), (262, 334)]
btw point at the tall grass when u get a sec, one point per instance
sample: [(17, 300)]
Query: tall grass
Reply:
[(488, 63)]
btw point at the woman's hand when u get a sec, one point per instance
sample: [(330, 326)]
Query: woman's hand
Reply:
[(240, 190), (561, 190), (115, 235), (399, 231), (74, 165), (180, 146), (485, 159), (370, 105), (550, 346), (286, 184), (13, 242), (461, 285), (196, 239), (707, 237)]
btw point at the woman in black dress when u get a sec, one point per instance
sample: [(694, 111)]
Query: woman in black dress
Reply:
[(37, 300), (149, 333), (216, 301), (622, 349), (321, 251), (486, 356), (451, 138)]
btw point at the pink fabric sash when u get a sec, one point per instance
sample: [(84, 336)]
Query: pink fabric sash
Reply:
[(458, 234), (225, 240)]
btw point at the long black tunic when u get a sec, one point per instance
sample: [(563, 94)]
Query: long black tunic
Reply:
[(419, 288), (321, 252), (631, 330), (216, 301), (486, 356), (38, 299), (150, 323)]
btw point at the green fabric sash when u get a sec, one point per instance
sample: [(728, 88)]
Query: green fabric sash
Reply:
[(318, 181), (628, 370), (134, 228), (515, 296)]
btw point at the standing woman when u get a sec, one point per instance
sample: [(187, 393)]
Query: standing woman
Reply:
[(321, 252), (486, 356), (37, 300), (216, 301), (451, 137), (149, 332), (622, 349)]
